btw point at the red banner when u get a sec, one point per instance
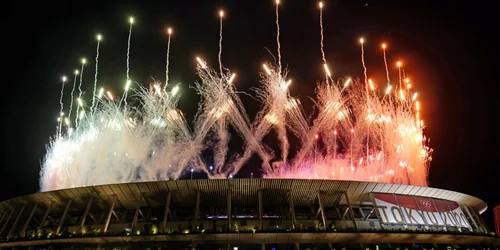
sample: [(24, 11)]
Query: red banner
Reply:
[(414, 210)]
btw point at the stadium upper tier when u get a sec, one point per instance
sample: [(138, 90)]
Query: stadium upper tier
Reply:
[(184, 209)]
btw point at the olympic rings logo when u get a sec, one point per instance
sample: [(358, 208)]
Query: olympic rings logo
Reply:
[(425, 203)]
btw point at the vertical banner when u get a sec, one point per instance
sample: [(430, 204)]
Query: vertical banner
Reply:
[(413, 210)]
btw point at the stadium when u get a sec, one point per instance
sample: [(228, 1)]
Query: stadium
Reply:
[(246, 214)]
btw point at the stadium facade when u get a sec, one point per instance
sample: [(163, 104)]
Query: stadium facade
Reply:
[(240, 214)]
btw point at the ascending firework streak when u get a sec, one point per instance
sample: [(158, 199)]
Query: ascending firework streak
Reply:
[(221, 14), (321, 31), (325, 65), (62, 94), (131, 20), (362, 41), (61, 114), (278, 35), (222, 123), (78, 115), (384, 46), (71, 97), (99, 37), (168, 54), (296, 120), (399, 70), (124, 97), (125, 93), (275, 115)]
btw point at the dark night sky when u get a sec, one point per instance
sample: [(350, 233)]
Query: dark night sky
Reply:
[(446, 48)]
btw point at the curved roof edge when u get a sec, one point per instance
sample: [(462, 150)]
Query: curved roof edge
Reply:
[(127, 193)]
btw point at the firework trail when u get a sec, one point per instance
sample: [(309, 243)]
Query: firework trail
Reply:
[(274, 96), (331, 110), (367, 95), (362, 41), (328, 74), (367, 100), (221, 147), (213, 112), (275, 115), (296, 120), (99, 96), (71, 95), (278, 35), (62, 94), (168, 61), (220, 102), (79, 95), (203, 121), (399, 71), (221, 14), (384, 46), (125, 94), (170, 134), (95, 76), (62, 106), (321, 31), (131, 20)]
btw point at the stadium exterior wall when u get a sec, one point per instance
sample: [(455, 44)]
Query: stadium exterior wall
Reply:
[(246, 213)]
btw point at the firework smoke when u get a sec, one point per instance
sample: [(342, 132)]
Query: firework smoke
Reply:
[(359, 132), (154, 142)]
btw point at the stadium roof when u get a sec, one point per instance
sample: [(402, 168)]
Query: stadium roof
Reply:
[(243, 191)]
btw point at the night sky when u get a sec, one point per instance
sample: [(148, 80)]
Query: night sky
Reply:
[(447, 50)]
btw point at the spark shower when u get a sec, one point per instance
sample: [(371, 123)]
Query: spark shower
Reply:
[(361, 131)]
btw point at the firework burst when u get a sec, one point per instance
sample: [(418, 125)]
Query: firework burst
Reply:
[(361, 131)]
